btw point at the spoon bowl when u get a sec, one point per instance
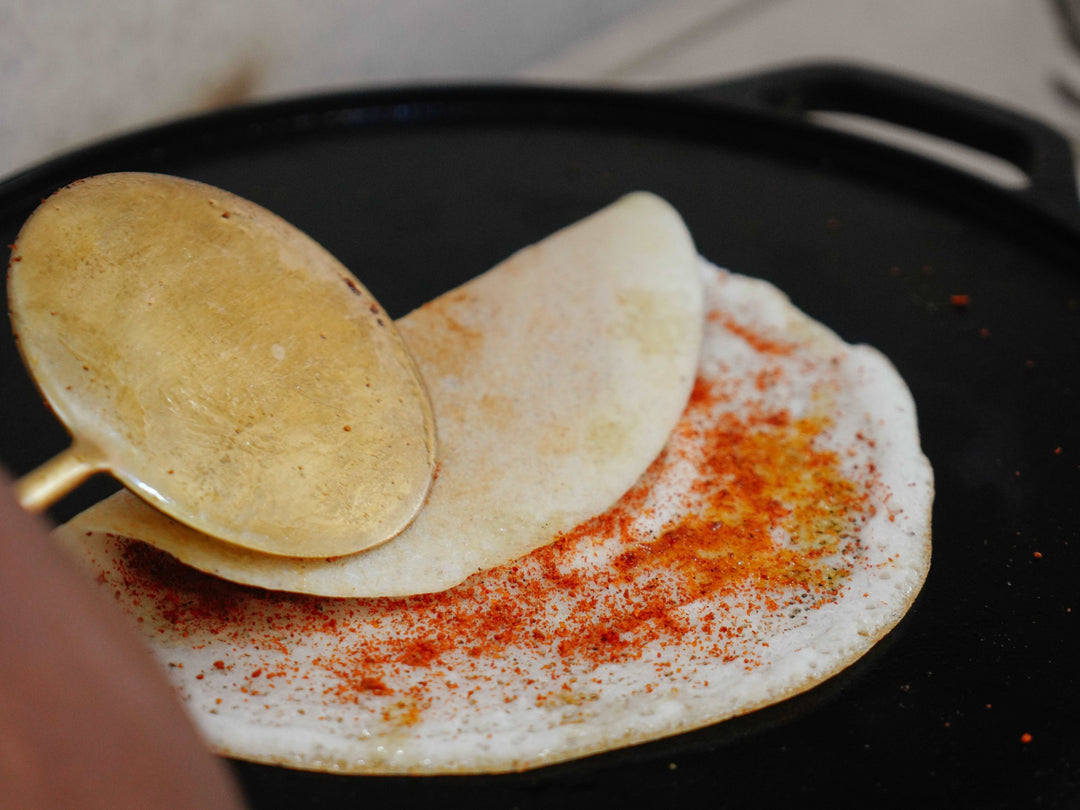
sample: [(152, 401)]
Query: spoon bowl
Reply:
[(221, 364)]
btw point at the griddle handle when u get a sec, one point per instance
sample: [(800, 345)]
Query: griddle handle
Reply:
[(1037, 150)]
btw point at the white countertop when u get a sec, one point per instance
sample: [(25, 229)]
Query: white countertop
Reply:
[(1015, 53), (1011, 51), (78, 70)]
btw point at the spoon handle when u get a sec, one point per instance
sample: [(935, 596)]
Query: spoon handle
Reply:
[(40, 487)]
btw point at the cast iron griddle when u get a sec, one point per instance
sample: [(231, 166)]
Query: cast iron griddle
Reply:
[(418, 189)]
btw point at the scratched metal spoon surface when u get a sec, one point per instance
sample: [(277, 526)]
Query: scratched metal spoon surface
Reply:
[(221, 364)]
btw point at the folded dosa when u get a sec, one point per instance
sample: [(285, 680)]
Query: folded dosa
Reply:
[(555, 379)]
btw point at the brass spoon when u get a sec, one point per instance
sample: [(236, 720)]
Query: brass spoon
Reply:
[(221, 364)]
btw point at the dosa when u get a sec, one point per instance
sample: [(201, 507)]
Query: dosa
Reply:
[(555, 378), (782, 530)]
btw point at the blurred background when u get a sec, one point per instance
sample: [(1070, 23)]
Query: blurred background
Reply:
[(74, 71)]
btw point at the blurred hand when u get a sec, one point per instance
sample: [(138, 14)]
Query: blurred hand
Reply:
[(87, 718)]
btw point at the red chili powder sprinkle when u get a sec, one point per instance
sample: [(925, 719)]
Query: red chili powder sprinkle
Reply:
[(608, 591), (765, 345)]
